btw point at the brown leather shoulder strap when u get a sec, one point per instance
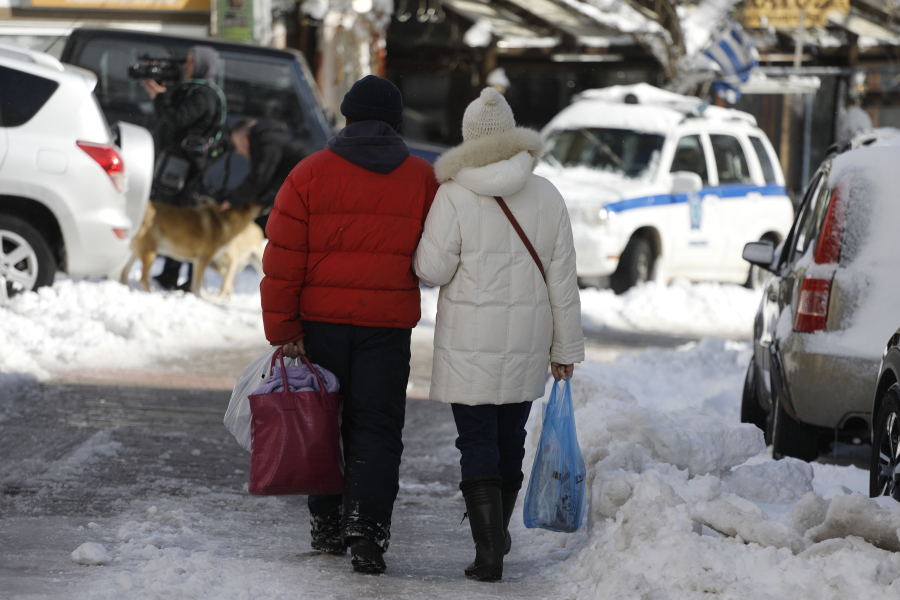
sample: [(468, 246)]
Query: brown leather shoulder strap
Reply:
[(522, 235)]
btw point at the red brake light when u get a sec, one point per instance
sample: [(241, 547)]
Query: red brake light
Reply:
[(109, 160), (828, 249), (120, 232), (812, 308)]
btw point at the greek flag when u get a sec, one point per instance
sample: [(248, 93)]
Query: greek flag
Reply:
[(736, 57)]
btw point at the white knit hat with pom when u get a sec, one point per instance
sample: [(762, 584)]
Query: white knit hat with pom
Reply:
[(487, 114)]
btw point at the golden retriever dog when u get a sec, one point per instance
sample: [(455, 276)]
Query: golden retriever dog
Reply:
[(245, 249), (187, 233)]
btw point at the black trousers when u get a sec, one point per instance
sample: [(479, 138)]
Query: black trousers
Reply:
[(491, 439), (372, 365)]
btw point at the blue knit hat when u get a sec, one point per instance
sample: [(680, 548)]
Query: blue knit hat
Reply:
[(373, 99)]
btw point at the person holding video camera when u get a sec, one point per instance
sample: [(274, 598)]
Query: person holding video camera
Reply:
[(273, 153), (189, 136)]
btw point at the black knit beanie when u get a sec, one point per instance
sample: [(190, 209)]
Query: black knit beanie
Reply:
[(373, 99)]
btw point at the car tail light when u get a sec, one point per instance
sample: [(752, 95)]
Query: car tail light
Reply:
[(828, 250), (815, 294), (120, 233), (109, 160), (812, 308)]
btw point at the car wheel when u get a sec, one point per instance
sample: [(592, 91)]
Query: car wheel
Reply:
[(793, 438), (635, 265), (26, 260), (751, 411), (886, 447)]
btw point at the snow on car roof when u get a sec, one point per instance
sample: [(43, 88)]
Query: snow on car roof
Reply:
[(869, 263), (657, 111)]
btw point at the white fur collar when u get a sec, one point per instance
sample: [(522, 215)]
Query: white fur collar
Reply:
[(488, 150), (500, 178)]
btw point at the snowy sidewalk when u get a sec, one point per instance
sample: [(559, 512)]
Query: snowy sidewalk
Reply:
[(152, 476)]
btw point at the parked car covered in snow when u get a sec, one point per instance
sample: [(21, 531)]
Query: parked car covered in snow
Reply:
[(72, 190), (828, 307), (659, 184)]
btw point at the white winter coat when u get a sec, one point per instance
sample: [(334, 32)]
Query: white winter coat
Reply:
[(498, 324)]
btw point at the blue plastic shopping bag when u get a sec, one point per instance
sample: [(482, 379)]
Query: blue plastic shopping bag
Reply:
[(556, 492)]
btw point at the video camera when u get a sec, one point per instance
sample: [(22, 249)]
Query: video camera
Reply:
[(157, 69)]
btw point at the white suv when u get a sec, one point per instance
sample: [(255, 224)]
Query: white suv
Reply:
[(661, 184), (72, 191)]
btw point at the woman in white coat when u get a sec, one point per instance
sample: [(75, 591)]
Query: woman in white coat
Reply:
[(499, 322)]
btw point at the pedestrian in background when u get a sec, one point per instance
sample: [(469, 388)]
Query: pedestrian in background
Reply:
[(272, 153), (499, 323), (339, 288), (189, 132)]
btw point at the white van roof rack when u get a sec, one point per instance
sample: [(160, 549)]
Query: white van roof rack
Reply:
[(648, 95)]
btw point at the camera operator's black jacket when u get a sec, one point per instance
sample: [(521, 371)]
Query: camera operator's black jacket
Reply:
[(274, 152), (192, 109)]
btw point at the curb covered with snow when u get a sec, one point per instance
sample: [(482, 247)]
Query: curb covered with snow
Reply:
[(685, 504), (680, 308), (106, 325)]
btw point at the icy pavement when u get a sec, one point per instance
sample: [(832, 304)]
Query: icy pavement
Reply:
[(685, 501), (154, 478)]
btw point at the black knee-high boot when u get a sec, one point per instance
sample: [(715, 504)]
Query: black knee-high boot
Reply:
[(508, 494), (485, 509)]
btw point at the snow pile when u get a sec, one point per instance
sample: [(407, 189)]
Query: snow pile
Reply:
[(106, 325), (91, 554), (679, 308), (685, 504)]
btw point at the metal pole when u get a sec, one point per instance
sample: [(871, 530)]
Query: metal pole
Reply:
[(807, 139)]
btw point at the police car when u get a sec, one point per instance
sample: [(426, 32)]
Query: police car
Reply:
[(660, 185)]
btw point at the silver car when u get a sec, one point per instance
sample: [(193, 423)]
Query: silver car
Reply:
[(828, 305)]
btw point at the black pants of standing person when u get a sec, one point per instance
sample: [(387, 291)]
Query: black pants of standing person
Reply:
[(492, 439), (372, 366)]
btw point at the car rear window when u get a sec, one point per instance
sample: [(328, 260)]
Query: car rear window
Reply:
[(731, 164), (764, 161), (22, 95)]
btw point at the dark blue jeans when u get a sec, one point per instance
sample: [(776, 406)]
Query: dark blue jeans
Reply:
[(491, 439)]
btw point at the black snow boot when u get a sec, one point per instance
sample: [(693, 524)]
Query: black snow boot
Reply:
[(326, 534), (484, 507), (508, 494), (367, 556)]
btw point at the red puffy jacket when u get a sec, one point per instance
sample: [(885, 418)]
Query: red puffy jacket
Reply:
[(341, 240)]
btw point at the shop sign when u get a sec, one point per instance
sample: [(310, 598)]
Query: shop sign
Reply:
[(236, 19), (167, 5), (785, 14)]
